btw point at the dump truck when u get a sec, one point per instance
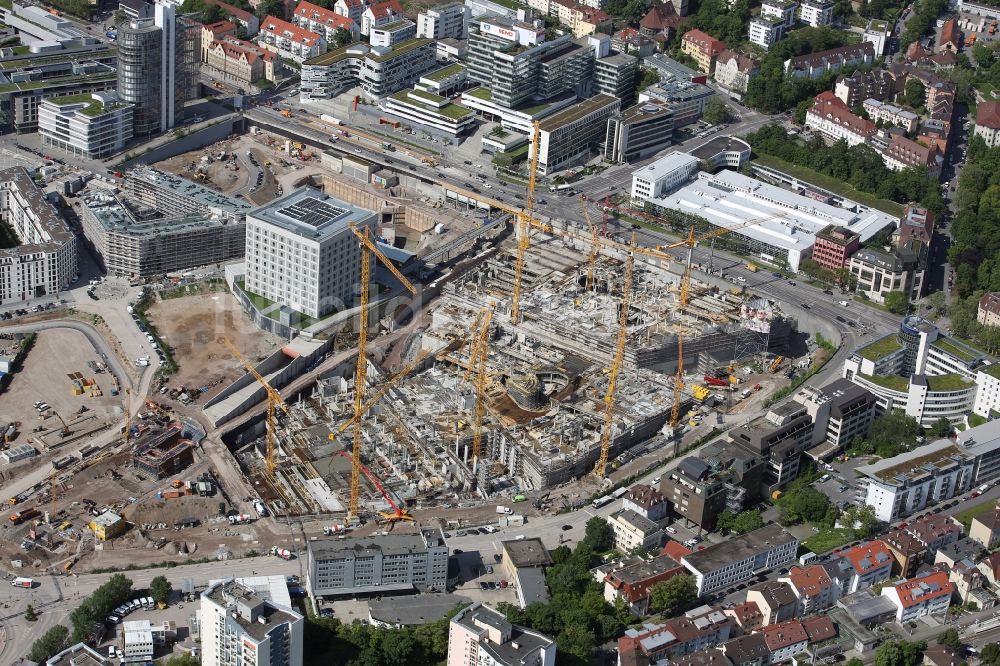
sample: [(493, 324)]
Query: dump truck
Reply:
[(23, 515), (700, 392), (751, 267)]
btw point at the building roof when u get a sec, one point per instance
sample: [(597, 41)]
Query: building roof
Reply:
[(331, 19), (350, 547), (867, 557), (850, 52), (739, 548), (520, 641), (990, 520), (660, 17), (531, 585), (988, 115), (784, 634), (636, 520), (645, 496), (255, 616), (933, 527), (653, 172), (241, 15), (710, 657), (414, 609), (745, 649), (819, 628), (634, 580), (719, 145), (526, 553), (290, 31), (775, 593), (992, 562), (705, 42), (910, 153), (385, 9), (220, 27), (744, 63), (827, 105), (905, 544), (941, 655), (576, 111), (949, 33), (310, 213), (809, 581), (923, 589)]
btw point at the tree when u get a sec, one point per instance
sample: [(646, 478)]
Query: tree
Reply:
[(854, 661), (747, 521), (342, 37), (716, 112), (51, 642), (803, 503), (950, 639), (29, 613), (598, 535), (896, 302), (900, 653), (941, 428), (801, 110), (990, 654), (183, 660), (647, 78), (673, 596), (160, 589)]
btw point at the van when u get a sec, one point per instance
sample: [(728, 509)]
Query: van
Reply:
[(983, 488), (148, 603), (824, 478)]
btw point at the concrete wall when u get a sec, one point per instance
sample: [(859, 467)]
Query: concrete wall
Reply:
[(193, 141)]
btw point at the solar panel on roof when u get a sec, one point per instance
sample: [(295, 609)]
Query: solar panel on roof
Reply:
[(312, 211)]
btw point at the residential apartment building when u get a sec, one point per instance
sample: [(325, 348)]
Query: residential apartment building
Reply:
[(240, 628), (988, 312), (90, 125), (813, 588), (780, 9), (903, 153), (250, 23), (878, 273), (571, 136), (934, 532), (445, 22), (480, 635), (988, 123), (45, 261), (908, 551), (917, 597), (779, 437), (775, 601), (834, 119), (877, 33), (987, 402), (785, 640), (747, 616), (380, 14), (703, 48), (701, 628), (865, 565), (632, 531), (741, 558), (816, 13), (861, 85), (394, 562), (289, 40), (747, 650), (211, 32), (834, 246), (301, 251), (325, 22), (891, 115), (733, 72), (388, 35), (379, 71), (815, 65), (240, 62), (646, 501), (632, 582), (765, 30)]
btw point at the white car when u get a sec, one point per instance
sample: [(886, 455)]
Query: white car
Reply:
[(671, 530), (844, 303), (740, 278)]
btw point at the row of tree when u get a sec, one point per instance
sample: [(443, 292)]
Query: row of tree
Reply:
[(925, 14), (860, 166), (975, 250)]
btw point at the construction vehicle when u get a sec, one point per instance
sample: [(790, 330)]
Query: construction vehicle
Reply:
[(524, 221), (616, 362), (283, 553), (24, 514), (334, 529), (177, 483), (699, 392), (219, 85), (478, 361), (751, 267), (383, 390), (715, 381), (240, 519), (776, 363), (285, 113), (274, 402), (368, 248), (65, 428)]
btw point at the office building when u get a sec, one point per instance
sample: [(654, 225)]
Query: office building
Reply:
[(699, 490), (663, 176), (840, 411), (240, 62), (444, 22), (917, 597), (815, 65), (419, 107), (733, 72), (834, 119), (388, 35), (879, 273), (162, 223), (703, 48), (79, 654), (137, 641), (325, 22), (639, 131), (45, 260), (780, 437), (158, 68), (834, 246), (633, 530), (615, 75), (28, 79), (572, 136), (816, 13), (524, 561), (302, 254), (392, 563), (289, 40), (480, 635), (741, 558), (239, 628), (90, 125), (380, 71), (988, 123)]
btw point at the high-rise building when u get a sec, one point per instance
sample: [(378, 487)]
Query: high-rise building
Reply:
[(481, 635), (240, 628), (158, 63)]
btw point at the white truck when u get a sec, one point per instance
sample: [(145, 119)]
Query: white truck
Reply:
[(240, 519), (260, 509), (504, 510), (336, 528), (23, 582), (283, 553)]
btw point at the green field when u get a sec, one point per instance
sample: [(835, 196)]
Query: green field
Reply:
[(828, 538), (965, 517), (832, 184)]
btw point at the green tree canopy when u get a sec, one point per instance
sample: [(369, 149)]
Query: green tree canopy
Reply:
[(50, 643), (716, 112), (673, 596), (951, 639), (598, 535), (160, 589), (941, 427), (896, 302), (914, 93)]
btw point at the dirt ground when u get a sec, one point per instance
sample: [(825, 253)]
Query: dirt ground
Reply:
[(43, 377), (194, 325), (220, 177)]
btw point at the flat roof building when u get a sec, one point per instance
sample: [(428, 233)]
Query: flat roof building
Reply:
[(379, 70), (239, 628), (572, 135), (384, 564), (302, 254), (90, 125), (741, 558), (639, 131), (481, 635)]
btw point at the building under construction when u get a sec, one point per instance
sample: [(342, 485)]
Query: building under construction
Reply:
[(163, 453), (537, 401)]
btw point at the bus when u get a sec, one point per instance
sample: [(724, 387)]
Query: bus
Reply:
[(601, 501)]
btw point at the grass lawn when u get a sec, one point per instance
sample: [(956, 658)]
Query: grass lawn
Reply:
[(976, 420), (828, 538), (965, 517), (832, 184)]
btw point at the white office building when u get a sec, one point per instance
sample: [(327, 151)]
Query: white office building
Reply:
[(816, 13), (780, 9), (302, 254), (447, 21), (90, 125), (389, 563), (663, 176), (137, 642), (741, 558), (239, 628), (988, 394), (877, 34)]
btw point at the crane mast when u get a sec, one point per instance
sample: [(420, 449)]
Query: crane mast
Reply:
[(616, 365), (524, 221)]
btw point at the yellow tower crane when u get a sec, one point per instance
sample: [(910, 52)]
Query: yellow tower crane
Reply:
[(595, 246), (675, 412), (389, 384), (274, 402), (616, 365), (524, 221), (368, 248), (478, 361)]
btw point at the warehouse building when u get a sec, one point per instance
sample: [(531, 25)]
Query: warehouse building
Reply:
[(18, 453), (383, 564)]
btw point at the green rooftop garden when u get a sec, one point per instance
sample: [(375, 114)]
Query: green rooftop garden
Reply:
[(955, 350), (480, 93), (402, 48), (534, 108), (893, 382), (455, 111), (934, 458), (445, 72), (509, 4), (423, 94), (992, 370), (881, 348), (949, 382), (72, 99)]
